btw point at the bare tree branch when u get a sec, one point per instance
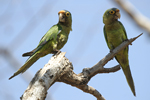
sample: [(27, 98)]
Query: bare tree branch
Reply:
[(140, 19), (80, 81), (60, 69), (98, 68)]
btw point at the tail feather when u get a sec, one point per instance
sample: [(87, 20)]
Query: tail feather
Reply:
[(28, 63), (129, 79), (27, 54)]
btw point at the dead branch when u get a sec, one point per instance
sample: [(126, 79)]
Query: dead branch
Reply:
[(60, 69)]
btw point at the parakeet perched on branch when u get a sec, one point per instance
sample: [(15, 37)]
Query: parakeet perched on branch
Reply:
[(55, 38), (115, 34)]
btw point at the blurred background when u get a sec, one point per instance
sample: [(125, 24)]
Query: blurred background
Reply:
[(24, 22)]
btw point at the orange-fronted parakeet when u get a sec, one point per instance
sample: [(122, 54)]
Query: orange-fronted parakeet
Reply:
[(55, 38), (115, 34)]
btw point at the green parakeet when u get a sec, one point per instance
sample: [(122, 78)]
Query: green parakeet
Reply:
[(55, 38), (115, 34)]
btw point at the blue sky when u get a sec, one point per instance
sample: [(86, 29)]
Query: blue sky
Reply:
[(85, 47)]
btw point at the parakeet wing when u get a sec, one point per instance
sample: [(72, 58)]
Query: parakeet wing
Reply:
[(123, 29), (124, 33), (105, 35), (51, 34)]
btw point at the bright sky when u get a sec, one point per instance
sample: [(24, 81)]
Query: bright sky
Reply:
[(85, 47)]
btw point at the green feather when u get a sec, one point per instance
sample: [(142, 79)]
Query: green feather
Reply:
[(115, 34), (55, 38)]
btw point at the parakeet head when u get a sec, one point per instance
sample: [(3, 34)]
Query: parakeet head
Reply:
[(65, 18), (111, 15)]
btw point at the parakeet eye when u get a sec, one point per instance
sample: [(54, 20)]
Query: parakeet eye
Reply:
[(67, 14), (111, 12)]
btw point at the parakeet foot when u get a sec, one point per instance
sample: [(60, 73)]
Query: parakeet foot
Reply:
[(56, 52), (111, 50)]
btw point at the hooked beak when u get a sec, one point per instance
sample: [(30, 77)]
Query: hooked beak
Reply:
[(61, 16), (117, 14)]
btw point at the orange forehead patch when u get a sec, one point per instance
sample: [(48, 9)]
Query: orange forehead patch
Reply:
[(117, 10), (62, 11)]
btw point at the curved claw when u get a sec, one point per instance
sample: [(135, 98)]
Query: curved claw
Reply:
[(56, 52)]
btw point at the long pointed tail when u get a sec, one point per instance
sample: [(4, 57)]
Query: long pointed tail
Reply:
[(28, 63), (129, 79)]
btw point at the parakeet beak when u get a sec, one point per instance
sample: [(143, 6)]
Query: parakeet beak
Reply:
[(61, 16), (117, 14)]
